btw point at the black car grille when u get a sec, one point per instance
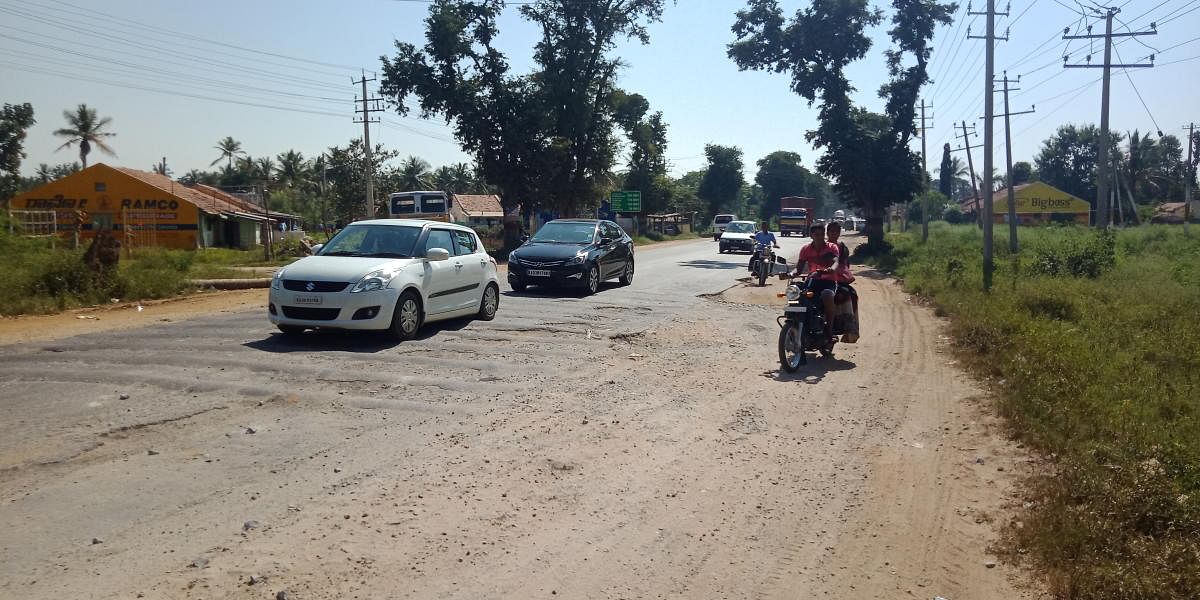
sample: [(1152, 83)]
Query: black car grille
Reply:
[(301, 285), (309, 313), (538, 264)]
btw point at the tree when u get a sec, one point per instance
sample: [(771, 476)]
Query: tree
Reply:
[(723, 179), (866, 153), (161, 168), (347, 177), (545, 139), (291, 169), (85, 127), (43, 173), (780, 174), (15, 121), (229, 149), (1022, 172), (647, 166), (946, 173), (414, 174), (1068, 159)]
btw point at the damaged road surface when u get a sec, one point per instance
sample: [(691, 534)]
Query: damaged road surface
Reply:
[(636, 443)]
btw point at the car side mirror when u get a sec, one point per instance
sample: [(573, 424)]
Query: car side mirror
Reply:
[(437, 254), (316, 249), (605, 241)]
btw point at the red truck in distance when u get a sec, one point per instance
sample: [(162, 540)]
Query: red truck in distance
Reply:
[(796, 214)]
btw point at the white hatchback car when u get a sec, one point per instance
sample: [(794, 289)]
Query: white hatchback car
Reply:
[(387, 274)]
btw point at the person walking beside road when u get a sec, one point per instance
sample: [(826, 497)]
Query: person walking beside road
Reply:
[(762, 237)]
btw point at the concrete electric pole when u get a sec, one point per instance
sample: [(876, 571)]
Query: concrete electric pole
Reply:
[(369, 105), (1102, 166), (924, 173), (1013, 246), (966, 138), (989, 40)]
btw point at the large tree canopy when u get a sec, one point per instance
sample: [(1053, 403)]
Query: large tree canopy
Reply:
[(781, 174), (1068, 159), (723, 179), (866, 153), (545, 138)]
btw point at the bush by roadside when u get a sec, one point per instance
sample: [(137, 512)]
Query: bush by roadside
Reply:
[(1092, 342)]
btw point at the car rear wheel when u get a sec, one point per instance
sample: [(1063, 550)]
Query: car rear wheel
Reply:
[(291, 330), (627, 274), (406, 320), (490, 303)]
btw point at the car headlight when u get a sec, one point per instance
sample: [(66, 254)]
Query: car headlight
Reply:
[(277, 280), (375, 280), (513, 259), (792, 293), (578, 259)]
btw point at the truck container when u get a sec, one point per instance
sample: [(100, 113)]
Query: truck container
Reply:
[(796, 214)]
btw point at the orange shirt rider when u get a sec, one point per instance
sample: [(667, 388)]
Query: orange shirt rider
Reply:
[(820, 258)]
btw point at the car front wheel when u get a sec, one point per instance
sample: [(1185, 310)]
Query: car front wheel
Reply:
[(406, 319), (592, 280), (490, 303)]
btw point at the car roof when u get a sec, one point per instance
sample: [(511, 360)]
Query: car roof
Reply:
[(592, 221), (744, 221), (410, 223)]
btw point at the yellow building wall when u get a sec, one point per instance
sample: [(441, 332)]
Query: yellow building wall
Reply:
[(140, 214)]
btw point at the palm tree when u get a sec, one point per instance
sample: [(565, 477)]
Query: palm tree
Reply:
[(292, 170), (43, 173), (443, 179), (229, 149), (264, 168), (85, 127), (463, 178), (413, 173)]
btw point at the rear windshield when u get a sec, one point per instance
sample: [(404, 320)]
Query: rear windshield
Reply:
[(404, 205), (723, 219), (433, 204)]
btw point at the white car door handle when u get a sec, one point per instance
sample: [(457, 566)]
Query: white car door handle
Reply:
[(458, 265)]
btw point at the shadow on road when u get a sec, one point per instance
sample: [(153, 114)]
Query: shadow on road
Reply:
[(347, 341), (538, 291), (712, 264), (812, 372)]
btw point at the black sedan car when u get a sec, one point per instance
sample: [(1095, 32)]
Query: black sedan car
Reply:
[(573, 252)]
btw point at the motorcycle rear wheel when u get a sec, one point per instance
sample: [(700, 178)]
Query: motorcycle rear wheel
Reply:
[(791, 348)]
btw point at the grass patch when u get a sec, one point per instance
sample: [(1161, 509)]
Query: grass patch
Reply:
[(654, 237), (41, 278), (1093, 343)]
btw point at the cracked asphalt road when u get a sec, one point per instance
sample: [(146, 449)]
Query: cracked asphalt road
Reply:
[(633, 444)]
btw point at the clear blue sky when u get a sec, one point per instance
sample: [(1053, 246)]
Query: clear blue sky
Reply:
[(683, 72)]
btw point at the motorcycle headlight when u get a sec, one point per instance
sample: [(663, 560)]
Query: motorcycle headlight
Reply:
[(578, 259), (375, 280), (277, 280), (792, 293)]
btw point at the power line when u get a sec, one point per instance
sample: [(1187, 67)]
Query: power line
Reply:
[(1139, 94)]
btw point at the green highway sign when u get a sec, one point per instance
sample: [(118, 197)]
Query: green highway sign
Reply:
[(627, 201)]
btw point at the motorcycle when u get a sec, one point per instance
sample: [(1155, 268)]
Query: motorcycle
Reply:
[(765, 263), (802, 325)]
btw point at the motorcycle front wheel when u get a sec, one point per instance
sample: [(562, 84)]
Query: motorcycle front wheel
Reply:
[(762, 273), (791, 348)]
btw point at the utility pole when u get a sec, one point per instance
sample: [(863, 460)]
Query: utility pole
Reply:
[(966, 138), (1102, 215), (924, 174), (369, 105), (1013, 246), (989, 40), (1189, 177)]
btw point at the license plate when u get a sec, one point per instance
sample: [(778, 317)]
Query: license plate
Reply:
[(307, 299), (538, 273), (796, 309)]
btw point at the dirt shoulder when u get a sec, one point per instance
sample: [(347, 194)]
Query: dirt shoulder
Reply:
[(127, 315)]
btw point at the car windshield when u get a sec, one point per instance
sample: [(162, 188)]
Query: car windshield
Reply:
[(740, 227), (566, 233), (384, 241), (723, 219)]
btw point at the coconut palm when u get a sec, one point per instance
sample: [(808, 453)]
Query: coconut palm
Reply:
[(264, 168), (43, 173), (414, 173), (229, 149), (292, 170), (462, 177), (85, 127)]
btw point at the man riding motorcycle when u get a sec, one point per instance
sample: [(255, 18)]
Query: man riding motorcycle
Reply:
[(762, 238), (819, 259)]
